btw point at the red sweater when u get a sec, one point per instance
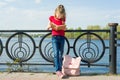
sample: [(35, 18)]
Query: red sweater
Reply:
[(57, 22)]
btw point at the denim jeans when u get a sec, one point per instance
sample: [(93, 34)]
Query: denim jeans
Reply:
[(58, 47)]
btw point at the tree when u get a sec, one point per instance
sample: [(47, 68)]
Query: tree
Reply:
[(118, 30), (76, 34), (69, 34), (94, 27)]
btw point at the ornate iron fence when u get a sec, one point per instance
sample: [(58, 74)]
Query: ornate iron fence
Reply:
[(21, 46)]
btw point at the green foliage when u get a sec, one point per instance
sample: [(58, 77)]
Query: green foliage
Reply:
[(92, 27), (73, 35), (77, 33), (103, 35), (118, 30), (69, 34), (14, 66)]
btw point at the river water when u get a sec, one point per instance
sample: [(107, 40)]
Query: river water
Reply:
[(37, 58)]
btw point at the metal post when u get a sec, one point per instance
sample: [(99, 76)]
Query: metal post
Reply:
[(113, 49)]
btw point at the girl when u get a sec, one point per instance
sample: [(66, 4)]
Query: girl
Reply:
[(57, 24)]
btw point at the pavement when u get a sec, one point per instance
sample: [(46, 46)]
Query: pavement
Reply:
[(51, 76)]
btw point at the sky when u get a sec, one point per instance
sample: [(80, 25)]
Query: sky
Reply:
[(34, 14)]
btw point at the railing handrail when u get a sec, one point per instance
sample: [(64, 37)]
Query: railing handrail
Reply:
[(87, 33), (105, 30)]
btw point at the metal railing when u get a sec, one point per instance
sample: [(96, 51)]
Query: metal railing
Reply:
[(21, 46)]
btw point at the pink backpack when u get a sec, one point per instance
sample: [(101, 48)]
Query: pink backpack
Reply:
[(71, 66)]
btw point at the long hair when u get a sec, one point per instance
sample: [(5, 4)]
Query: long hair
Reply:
[(60, 9)]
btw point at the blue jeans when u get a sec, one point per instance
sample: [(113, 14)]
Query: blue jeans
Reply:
[(58, 47)]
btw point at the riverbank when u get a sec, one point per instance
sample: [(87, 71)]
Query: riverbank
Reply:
[(51, 76)]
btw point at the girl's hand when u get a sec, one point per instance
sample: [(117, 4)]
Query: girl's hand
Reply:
[(57, 27), (49, 26), (53, 26), (61, 27)]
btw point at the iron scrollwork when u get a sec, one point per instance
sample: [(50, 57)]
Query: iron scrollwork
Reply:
[(86, 46), (1, 47), (46, 50), (20, 46)]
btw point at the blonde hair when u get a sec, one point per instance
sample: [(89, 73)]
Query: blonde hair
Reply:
[(60, 9)]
